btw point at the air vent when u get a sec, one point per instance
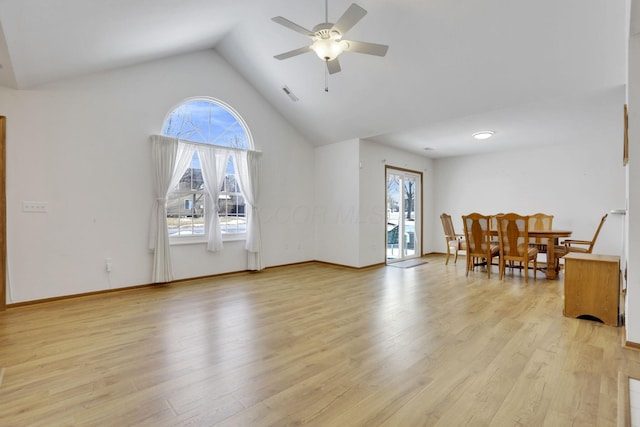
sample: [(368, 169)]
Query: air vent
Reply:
[(290, 94)]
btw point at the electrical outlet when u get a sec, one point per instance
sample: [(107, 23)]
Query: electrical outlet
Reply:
[(108, 265), (38, 207)]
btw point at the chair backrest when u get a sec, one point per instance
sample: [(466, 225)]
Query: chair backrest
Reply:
[(447, 226), (513, 232), (540, 222), (595, 236), (476, 232)]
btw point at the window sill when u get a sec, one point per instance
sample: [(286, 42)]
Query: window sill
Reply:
[(185, 240)]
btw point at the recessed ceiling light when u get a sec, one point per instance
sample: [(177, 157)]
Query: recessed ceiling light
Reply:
[(483, 134)]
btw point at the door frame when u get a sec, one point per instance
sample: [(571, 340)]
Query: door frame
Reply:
[(420, 175), (3, 214)]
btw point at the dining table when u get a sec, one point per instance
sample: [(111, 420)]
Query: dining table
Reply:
[(551, 237)]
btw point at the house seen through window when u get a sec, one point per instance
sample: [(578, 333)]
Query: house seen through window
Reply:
[(206, 121)]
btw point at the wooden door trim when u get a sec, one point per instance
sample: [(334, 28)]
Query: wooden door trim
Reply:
[(3, 213)]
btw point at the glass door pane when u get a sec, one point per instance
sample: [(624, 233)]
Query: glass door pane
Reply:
[(394, 207), (409, 213)]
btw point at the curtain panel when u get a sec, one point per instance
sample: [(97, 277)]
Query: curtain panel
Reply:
[(170, 160), (213, 162), (248, 164)]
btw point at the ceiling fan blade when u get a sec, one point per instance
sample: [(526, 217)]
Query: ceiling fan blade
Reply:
[(294, 52), (333, 66), (292, 26), (349, 18), (368, 48)]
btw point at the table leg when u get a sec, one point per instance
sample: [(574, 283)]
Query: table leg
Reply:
[(551, 260)]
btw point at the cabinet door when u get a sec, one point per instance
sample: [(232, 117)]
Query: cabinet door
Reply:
[(591, 288)]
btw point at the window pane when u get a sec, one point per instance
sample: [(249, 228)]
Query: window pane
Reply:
[(203, 120), (185, 214), (233, 225), (231, 208)]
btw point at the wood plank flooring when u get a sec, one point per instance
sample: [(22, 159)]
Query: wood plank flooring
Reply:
[(317, 345)]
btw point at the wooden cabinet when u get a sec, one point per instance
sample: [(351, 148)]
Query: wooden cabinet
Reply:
[(592, 287)]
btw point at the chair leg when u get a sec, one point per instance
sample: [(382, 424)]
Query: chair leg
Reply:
[(469, 260), (535, 268), (455, 259), (448, 255)]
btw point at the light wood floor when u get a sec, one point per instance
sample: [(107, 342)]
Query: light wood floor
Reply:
[(314, 344)]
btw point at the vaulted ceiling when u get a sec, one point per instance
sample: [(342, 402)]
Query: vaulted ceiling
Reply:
[(535, 72)]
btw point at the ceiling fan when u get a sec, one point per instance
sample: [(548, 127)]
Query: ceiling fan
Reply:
[(328, 43)]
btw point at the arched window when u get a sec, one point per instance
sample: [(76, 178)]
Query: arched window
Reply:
[(206, 121)]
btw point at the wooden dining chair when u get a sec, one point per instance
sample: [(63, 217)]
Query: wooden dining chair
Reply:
[(544, 222), (513, 233), (478, 236), (455, 242), (584, 246), (540, 222)]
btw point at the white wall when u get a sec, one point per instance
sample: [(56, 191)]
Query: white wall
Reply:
[(336, 212), (577, 182), (82, 146)]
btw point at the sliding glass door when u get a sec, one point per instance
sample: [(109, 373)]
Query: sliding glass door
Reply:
[(404, 189)]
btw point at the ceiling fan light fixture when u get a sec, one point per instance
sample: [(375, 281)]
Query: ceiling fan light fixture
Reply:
[(327, 42), (328, 49), (485, 134)]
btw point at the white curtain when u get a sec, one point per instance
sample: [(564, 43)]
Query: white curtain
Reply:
[(170, 160), (214, 164), (248, 164)]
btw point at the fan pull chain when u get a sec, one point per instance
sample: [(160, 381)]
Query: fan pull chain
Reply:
[(326, 78)]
